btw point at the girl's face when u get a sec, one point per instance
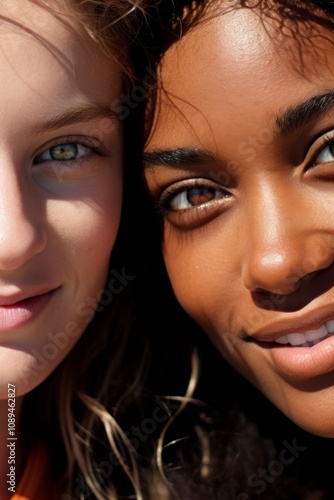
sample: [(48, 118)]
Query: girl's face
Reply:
[(60, 188), (241, 162)]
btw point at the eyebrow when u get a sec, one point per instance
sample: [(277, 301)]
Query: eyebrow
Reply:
[(296, 117), (180, 157), (293, 118), (76, 115)]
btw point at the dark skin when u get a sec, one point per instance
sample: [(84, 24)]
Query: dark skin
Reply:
[(241, 163)]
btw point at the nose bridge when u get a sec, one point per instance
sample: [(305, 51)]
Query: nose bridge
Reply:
[(21, 234), (280, 240)]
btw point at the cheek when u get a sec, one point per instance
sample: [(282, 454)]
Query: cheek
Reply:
[(100, 225), (192, 273), (204, 277), (204, 293), (87, 227)]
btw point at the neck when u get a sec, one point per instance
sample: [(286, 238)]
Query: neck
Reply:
[(11, 445)]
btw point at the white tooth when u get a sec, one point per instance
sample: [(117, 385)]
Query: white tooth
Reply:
[(313, 335), (330, 326), (296, 338), (282, 340)]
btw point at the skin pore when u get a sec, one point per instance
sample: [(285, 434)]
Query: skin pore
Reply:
[(61, 193), (241, 165)]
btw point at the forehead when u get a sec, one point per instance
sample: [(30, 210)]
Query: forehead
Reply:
[(238, 63), (43, 53)]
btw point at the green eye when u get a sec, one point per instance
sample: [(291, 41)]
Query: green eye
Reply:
[(64, 152)]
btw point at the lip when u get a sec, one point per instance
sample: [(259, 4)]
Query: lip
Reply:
[(296, 361), (20, 309), (298, 324), (304, 362)]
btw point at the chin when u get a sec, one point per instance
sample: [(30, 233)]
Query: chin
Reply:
[(321, 428), (20, 369), (313, 417)]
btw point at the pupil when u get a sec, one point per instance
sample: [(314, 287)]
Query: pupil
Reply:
[(64, 152), (197, 196)]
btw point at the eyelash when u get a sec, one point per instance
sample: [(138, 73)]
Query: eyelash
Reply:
[(163, 205), (91, 144), (326, 141), (204, 210)]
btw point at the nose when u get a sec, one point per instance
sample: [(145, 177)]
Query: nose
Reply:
[(283, 245), (21, 232)]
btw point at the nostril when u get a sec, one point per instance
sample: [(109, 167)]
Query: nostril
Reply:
[(273, 282), (287, 287), (305, 290), (269, 301)]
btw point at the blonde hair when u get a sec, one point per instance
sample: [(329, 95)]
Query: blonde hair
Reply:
[(82, 400)]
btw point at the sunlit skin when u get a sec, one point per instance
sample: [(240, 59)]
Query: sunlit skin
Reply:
[(243, 172), (60, 191)]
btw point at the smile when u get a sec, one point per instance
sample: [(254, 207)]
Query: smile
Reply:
[(16, 314), (308, 338)]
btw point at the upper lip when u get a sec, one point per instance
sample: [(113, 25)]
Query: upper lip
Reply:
[(10, 300), (298, 324)]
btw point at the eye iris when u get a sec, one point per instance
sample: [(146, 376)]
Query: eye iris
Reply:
[(64, 152), (200, 195)]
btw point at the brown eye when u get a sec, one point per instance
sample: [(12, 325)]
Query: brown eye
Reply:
[(194, 197)]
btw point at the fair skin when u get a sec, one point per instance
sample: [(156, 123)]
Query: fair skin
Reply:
[(58, 218), (240, 162)]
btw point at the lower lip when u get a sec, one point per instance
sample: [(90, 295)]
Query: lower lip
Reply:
[(303, 362), (22, 312)]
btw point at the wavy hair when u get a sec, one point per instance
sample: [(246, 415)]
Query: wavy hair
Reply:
[(78, 410)]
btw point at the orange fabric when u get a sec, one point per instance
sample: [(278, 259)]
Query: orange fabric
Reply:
[(36, 482)]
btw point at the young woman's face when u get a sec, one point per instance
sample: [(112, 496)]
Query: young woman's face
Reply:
[(241, 162), (60, 188)]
